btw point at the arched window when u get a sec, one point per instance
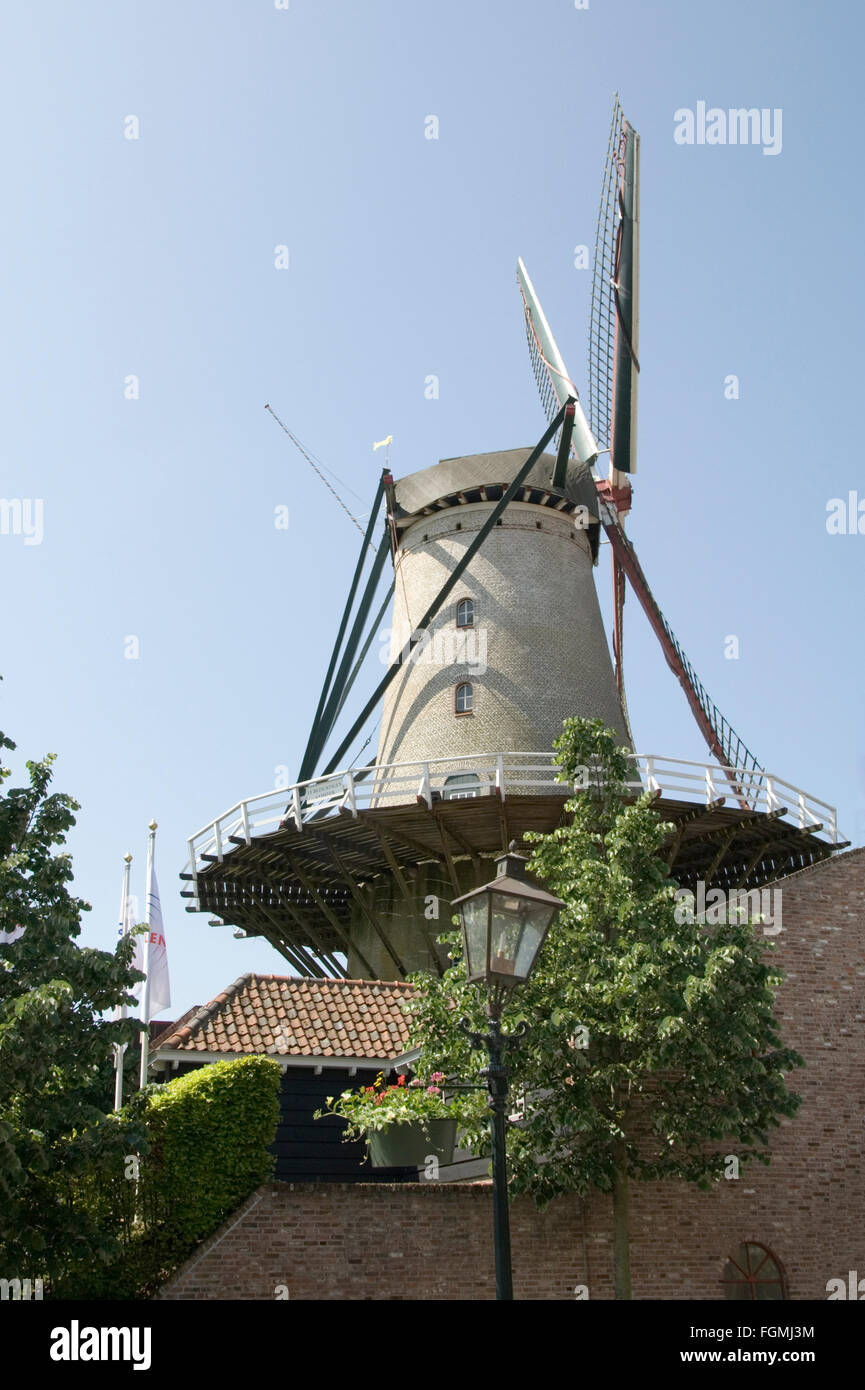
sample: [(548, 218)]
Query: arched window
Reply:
[(464, 698), (466, 612), (754, 1273)]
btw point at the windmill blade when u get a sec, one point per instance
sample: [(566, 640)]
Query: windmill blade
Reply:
[(554, 383), (626, 288), (613, 340), (613, 372), (614, 314)]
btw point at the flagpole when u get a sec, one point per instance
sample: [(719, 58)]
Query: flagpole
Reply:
[(120, 1048), (387, 443), (145, 998)]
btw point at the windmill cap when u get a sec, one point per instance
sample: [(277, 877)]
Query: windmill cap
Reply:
[(449, 477)]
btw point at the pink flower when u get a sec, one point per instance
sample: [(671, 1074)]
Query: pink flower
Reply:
[(433, 1091), (416, 1082), (437, 1076)]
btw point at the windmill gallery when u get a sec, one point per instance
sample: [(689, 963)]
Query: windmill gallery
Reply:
[(337, 871)]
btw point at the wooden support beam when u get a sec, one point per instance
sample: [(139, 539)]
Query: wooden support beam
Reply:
[(392, 862), (452, 873), (259, 874), (273, 935), (793, 846), (424, 852), (504, 825), (364, 907), (458, 839), (752, 820), (412, 900), (330, 915), (690, 816), (726, 841), (349, 879), (409, 897), (309, 930), (793, 850), (762, 850)]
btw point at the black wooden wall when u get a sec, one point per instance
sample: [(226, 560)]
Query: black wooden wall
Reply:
[(309, 1150)]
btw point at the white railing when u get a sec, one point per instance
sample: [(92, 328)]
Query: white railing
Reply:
[(501, 774)]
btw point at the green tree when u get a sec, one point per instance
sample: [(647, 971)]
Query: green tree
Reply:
[(53, 1038), (653, 1050)]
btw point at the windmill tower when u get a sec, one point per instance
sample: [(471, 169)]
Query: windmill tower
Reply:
[(496, 638), (524, 607)]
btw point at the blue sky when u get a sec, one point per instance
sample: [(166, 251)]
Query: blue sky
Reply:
[(154, 257)]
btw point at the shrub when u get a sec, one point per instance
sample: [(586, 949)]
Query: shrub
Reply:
[(207, 1136)]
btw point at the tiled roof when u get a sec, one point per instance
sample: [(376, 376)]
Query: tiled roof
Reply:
[(289, 1017), (159, 1025)]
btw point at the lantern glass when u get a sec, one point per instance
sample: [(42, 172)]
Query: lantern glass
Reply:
[(474, 913), (517, 930)]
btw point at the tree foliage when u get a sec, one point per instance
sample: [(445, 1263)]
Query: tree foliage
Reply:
[(653, 1049), (206, 1148), (54, 1039)]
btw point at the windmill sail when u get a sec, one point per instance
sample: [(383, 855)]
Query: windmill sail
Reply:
[(613, 372), (614, 314), (554, 384), (613, 339), (626, 281)]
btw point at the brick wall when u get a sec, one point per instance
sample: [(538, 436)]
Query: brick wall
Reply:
[(433, 1240)]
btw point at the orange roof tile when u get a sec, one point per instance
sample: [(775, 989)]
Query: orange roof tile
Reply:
[(290, 1017)]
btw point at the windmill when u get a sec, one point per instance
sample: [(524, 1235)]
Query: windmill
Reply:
[(347, 871)]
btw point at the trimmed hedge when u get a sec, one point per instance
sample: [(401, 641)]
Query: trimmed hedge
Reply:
[(207, 1137)]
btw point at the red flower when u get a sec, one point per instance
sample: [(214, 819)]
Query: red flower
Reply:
[(401, 1081)]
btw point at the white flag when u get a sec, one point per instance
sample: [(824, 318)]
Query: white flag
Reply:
[(128, 912), (158, 996)]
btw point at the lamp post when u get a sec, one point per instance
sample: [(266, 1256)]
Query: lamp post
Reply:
[(504, 925)]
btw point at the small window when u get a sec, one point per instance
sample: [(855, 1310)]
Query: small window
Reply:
[(461, 785), (465, 698), (753, 1273), (466, 612)]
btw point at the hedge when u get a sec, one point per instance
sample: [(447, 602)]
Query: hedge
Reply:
[(206, 1151)]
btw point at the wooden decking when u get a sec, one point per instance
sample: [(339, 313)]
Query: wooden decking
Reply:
[(297, 887)]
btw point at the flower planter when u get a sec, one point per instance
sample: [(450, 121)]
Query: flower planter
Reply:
[(410, 1145)]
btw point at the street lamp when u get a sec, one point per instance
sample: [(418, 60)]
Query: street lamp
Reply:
[(504, 925)]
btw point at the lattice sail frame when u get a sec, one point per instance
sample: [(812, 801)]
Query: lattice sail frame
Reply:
[(736, 753), (602, 313), (554, 384)]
